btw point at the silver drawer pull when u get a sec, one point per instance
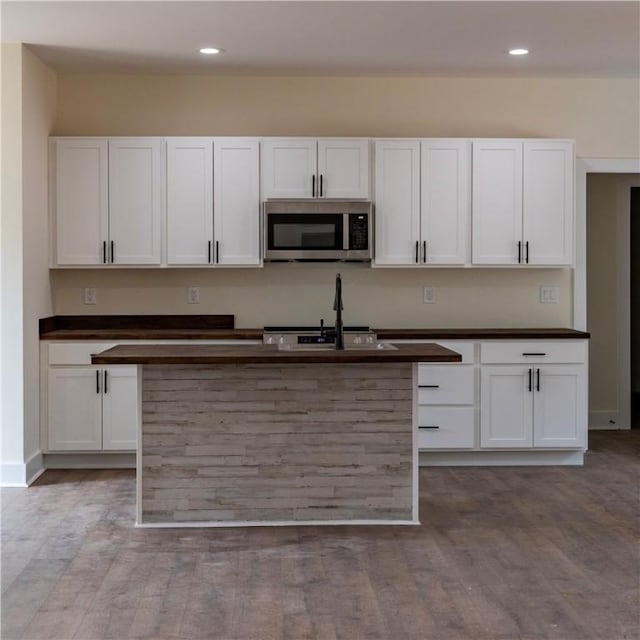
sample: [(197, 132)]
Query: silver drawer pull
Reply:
[(428, 386), (430, 426)]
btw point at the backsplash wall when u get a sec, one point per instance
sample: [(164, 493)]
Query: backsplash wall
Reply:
[(293, 293)]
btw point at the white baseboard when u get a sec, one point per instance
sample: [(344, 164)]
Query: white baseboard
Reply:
[(500, 458), (21, 474), (90, 460), (605, 420)]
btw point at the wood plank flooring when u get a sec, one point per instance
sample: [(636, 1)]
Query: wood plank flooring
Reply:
[(502, 553)]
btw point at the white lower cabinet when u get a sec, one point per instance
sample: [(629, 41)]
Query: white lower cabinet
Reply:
[(445, 404), (504, 395), (92, 409), (533, 405)]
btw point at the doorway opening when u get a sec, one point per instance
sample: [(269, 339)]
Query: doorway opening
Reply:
[(634, 304)]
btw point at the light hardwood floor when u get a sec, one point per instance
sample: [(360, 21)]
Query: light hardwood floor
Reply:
[(502, 553)]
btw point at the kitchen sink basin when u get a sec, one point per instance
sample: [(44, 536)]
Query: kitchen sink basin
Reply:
[(378, 346)]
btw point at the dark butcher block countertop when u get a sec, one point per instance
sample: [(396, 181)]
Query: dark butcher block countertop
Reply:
[(481, 334), (221, 327), (267, 354)]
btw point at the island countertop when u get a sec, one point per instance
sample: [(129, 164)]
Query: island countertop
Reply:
[(268, 354)]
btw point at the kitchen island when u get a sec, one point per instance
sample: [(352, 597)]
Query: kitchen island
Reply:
[(253, 435)]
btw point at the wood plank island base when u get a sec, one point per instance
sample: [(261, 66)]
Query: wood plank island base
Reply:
[(270, 440)]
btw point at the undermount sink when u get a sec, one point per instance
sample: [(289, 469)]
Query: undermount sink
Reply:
[(377, 346)]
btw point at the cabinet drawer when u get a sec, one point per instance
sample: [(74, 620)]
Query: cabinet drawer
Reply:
[(445, 385), (533, 352), (445, 428), (76, 353)]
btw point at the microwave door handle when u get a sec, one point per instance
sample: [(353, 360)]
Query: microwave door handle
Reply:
[(345, 231)]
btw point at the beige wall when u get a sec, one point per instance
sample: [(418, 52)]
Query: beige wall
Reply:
[(11, 427), (299, 293), (601, 114), (605, 215), (38, 115), (28, 113)]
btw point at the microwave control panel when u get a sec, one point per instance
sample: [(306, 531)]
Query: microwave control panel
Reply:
[(358, 232)]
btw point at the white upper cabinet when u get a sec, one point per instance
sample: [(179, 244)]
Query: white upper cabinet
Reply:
[(422, 201), (343, 168), (80, 195), (523, 202), (308, 168), (189, 200), (548, 201), (497, 201), (397, 202), (135, 190), (236, 192), (213, 201), (446, 175), (108, 201)]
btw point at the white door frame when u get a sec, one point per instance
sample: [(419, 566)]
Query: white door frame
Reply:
[(606, 165)]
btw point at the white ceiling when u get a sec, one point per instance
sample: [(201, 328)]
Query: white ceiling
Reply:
[(332, 38)]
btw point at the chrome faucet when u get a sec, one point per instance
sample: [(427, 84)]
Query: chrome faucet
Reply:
[(338, 307)]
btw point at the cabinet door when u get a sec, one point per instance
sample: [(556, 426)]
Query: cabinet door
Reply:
[(75, 409), (560, 406), (237, 201), (446, 208), (289, 168), (506, 419), (81, 200), (548, 185), (135, 191), (120, 408), (397, 198), (343, 168), (496, 201), (189, 201)]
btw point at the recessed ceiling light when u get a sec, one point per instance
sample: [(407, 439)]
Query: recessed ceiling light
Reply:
[(518, 52), (209, 50)]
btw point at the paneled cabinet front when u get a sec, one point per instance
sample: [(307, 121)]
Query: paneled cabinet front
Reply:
[(308, 168), (523, 202), (533, 399), (213, 201), (107, 200), (92, 409), (422, 201)]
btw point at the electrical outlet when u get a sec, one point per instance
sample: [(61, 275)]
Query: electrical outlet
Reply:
[(193, 295), (428, 295), (549, 294), (90, 296)]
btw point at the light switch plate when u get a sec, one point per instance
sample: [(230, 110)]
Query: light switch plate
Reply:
[(549, 294), (90, 296), (193, 295), (428, 295)]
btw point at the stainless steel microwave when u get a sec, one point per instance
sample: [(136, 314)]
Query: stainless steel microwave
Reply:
[(317, 230)]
